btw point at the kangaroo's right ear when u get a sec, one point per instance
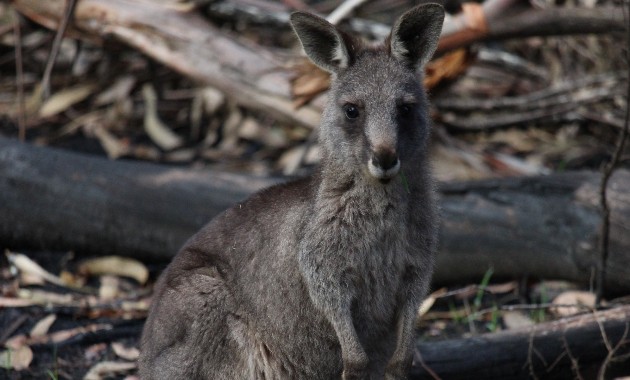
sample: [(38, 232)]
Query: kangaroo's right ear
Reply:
[(323, 43), (416, 34)]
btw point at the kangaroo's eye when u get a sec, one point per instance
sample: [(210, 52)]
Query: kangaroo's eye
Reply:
[(405, 109), (351, 111)]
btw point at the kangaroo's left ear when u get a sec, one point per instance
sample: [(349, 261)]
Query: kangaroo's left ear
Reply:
[(415, 35), (323, 43)]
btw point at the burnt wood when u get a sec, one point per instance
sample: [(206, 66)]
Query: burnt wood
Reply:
[(565, 349), (541, 226)]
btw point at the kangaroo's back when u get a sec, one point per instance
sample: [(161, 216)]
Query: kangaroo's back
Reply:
[(319, 278)]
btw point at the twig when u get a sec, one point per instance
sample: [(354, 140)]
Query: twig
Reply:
[(557, 361), (601, 375), (54, 51), (607, 173), (471, 324), (530, 362), (568, 91), (343, 11), (19, 68), (13, 327), (575, 365), (418, 356), (502, 120), (528, 307)]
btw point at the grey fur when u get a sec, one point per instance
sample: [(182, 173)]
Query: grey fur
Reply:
[(319, 278)]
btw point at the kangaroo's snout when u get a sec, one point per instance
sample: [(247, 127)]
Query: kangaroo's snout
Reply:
[(384, 163)]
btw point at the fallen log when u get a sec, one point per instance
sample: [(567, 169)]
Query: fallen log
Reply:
[(543, 226), (55, 199), (578, 347), (546, 226)]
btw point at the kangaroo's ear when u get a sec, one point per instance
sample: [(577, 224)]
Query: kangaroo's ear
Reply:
[(323, 43), (416, 34)]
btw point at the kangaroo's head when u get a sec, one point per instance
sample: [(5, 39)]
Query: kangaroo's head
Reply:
[(376, 116)]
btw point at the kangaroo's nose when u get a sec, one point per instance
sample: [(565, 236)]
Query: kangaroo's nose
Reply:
[(384, 164), (385, 159)]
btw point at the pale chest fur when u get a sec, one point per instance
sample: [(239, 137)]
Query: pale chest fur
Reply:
[(365, 232)]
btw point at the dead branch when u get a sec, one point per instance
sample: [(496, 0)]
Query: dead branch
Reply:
[(547, 351), (554, 103), (563, 92)]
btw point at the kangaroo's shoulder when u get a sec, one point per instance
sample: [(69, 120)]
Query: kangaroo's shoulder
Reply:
[(253, 219), (293, 192)]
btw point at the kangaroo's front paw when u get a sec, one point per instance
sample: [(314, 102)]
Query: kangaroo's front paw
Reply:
[(396, 371), (394, 376), (354, 374), (355, 369)]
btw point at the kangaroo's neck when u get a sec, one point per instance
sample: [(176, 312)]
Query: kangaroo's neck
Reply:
[(352, 196)]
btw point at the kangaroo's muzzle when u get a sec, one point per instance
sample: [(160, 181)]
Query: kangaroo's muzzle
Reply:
[(384, 164)]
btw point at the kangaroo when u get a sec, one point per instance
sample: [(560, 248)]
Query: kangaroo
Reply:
[(319, 278)]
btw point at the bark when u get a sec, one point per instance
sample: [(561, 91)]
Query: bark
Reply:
[(544, 226), (540, 226), (576, 347)]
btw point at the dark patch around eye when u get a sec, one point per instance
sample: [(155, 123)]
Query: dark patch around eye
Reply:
[(406, 110)]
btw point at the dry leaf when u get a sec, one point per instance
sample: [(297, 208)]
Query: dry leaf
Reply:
[(510, 165), (41, 328), (26, 265), (291, 159), (34, 101), (213, 99), (45, 298), (516, 320), (502, 288), (117, 91), (64, 99), (29, 279), (115, 265), (127, 353), (72, 279), (15, 302), (114, 146), (429, 301), (309, 81), (452, 163), (94, 351), (162, 135), (110, 287), (16, 359), (447, 67), (574, 302), (251, 129), (107, 369)]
